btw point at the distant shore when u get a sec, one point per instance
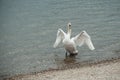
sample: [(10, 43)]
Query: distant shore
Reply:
[(106, 70)]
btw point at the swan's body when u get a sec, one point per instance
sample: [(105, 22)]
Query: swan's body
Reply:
[(70, 44)]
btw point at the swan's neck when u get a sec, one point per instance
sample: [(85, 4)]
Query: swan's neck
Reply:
[(69, 31)]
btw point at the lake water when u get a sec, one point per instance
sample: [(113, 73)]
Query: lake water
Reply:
[(28, 31)]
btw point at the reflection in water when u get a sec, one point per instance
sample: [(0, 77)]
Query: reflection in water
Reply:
[(66, 62), (70, 59)]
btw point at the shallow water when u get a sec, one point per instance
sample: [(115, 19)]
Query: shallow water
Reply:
[(28, 30)]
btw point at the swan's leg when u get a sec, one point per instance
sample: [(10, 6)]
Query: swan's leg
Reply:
[(66, 54)]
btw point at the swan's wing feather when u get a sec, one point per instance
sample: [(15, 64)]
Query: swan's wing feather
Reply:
[(59, 38), (83, 38)]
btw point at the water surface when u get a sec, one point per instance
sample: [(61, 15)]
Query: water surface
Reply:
[(28, 30)]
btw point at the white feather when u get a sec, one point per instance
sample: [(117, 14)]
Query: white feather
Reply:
[(60, 36), (71, 43), (83, 38)]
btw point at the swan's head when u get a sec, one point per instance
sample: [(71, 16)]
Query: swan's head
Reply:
[(69, 24), (69, 28)]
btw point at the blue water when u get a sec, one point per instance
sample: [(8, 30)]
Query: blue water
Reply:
[(28, 30)]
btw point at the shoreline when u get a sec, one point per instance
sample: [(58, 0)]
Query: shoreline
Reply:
[(113, 63)]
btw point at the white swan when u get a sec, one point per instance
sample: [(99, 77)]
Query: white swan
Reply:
[(70, 44)]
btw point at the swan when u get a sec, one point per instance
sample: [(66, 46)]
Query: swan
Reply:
[(70, 44)]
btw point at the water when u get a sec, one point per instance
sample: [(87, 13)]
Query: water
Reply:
[(28, 30)]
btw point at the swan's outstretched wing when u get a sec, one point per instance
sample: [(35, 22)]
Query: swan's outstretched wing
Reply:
[(82, 38), (60, 36)]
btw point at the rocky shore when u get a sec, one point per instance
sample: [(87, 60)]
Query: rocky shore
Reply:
[(108, 70)]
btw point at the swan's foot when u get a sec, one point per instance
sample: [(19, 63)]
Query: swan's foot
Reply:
[(73, 54)]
